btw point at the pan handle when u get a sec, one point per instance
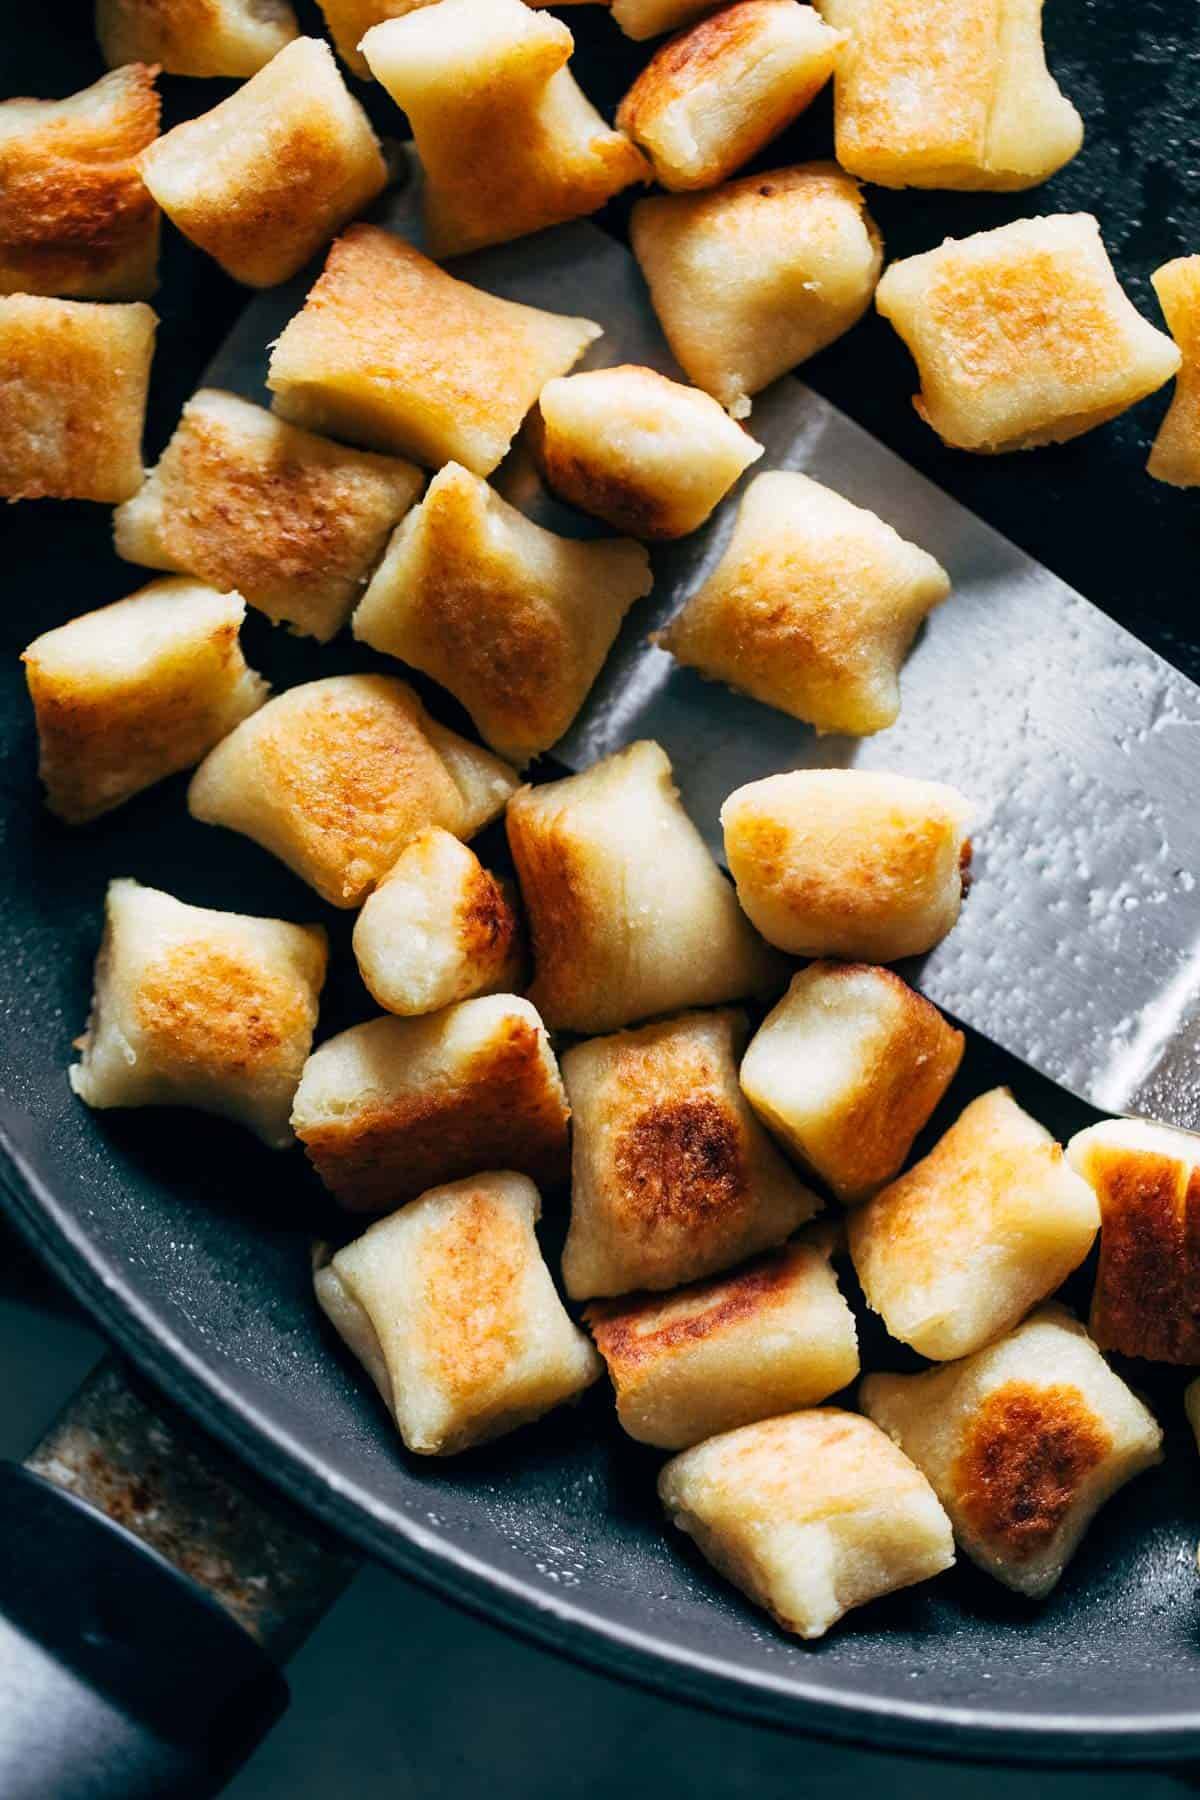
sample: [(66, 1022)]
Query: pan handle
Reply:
[(142, 1667)]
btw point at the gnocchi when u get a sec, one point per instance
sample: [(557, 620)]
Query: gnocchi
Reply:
[(1175, 456), (195, 37)]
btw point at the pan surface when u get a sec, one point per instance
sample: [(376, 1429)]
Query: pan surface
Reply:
[(190, 1244)]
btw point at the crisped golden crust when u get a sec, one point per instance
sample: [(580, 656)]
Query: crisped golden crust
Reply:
[(267, 177), (1175, 457), (508, 142), (673, 1179), (1147, 1296), (1026, 1453), (469, 1269), (632, 1333), (195, 37), (1022, 335), (712, 97), (504, 1109), (75, 216), (104, 733), (199, 1007), (392, 352), (513, 620), (812, 608), (73, 382), (245, 501), (487, 924)]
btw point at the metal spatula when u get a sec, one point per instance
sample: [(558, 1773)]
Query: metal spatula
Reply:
[(1078, 948)]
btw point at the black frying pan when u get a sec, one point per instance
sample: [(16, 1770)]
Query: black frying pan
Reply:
[(189, 1244)]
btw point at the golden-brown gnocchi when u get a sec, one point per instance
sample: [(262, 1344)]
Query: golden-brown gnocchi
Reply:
[(847, 1069), (513, 620), (650, 18), (629, 914), (508, 141), (713, 97), (438, 928), (264, 179), (292, 521), (948, 94), (774, 1336), (76, 375), (1023, 1443), (198, 1008), (848, 862), (335, 777), (452, 1312), (391, 1107), (75, 216), (755, 276), (195, 37), (350, 20), (812, 608), (391, 352), (672, 1177), (810, 1515), (1146, 1178), (1175, 457), (645, 454), (136, 691), (1022, 335), (954, 1253)]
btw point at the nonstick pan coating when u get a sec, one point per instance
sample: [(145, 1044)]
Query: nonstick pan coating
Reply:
[(190, 1245)]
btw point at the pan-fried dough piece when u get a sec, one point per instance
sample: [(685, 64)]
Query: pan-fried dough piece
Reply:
[(1022, 336), (350, 20), (955, 1253), (75, 217), (651, 18), (812, 608), (848, 862), (716, 95), (391, 352), (847, 1069), (294, 522), (268, 176), (1023, 1443), (136, 691), (75, 377), (335, 777), (195, 37), (773, 1336), (948, 94), (1147, 1180), (508, 141), (200, 1008), (388, 1108), (629, 914), (1175, 457), (810, 1515), (672, 1177), (452, 1312), (513, 620), (754, 277), (438, 928), (645, 454)]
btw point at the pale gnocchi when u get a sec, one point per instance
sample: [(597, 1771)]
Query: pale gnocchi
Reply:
[(452, 1312), (628, 912), (134, 692), (194, 1007), (853, 863), (514, 620), (812, 608), (195, 37), (335, 777), (955, 1253), (1022, 335)]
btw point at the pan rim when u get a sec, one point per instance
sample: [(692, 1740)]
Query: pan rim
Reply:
[(551, 1621)]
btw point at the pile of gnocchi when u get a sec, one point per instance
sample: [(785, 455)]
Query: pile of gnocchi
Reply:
[(730, 1076)]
